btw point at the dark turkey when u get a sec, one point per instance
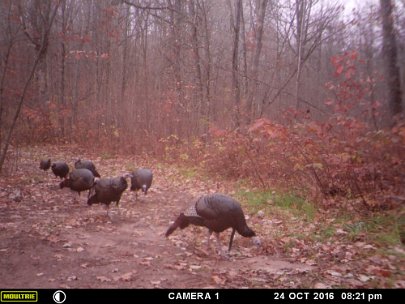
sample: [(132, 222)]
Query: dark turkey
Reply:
[(45, 164), (107, 190), (60, 169), (217, 212), (87, 164), (79, 180), (141, 179)]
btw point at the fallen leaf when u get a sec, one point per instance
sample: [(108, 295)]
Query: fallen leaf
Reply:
[(218, 280), (355, 283), (52, 239), (310, 262), (340, 231), (383, 272), (399, 284), (233, 274), (177, 266), (334, 273), (399, 250), (103, 279), (321, 285), (144, 263), (195, 267), (125, 277), (58, 256), (364, 278), (72, 278)]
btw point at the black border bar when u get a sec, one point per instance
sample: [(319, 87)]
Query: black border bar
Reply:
[(150, 296)]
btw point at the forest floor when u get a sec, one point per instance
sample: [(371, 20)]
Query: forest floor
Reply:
[(50, 238)]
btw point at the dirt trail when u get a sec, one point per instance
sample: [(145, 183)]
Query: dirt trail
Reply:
[(49, 238)]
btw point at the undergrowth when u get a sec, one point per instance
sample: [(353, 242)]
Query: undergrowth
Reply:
[(341, 162)]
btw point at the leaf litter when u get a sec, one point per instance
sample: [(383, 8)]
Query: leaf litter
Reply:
[(38, 217)]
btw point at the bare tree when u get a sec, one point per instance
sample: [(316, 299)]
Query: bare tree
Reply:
[(207, 63), (195, 26), (312, 19), (35, 21), (235, 25), (260, 14), (149, 69), (64, 24), (40, 47), (390, 55), (9, 35)]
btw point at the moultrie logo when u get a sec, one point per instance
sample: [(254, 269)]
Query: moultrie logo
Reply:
[(19, 296)]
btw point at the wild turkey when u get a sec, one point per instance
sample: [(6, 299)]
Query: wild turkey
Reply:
[(87, 164), (217, 212), (141, 179), (107, 190), (79, 180), (60, 169), (45, 164)]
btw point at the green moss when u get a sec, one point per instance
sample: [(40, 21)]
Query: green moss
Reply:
[(259, 199)]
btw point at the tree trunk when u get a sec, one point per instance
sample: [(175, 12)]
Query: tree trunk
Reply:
[(235, 61), (177, 52), (390, 55), (208, 67), (261, 12), (124, 80), (62, 69), (199, 96), (245, 72), (84, 28), (300, 14), (2, 82), (146, 77)]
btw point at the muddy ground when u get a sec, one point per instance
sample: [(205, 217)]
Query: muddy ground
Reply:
[(50, 238)]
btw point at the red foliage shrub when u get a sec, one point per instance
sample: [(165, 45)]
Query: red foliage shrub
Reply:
[(341, 157)]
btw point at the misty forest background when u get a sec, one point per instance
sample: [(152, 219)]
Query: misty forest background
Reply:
[(302, 95)]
